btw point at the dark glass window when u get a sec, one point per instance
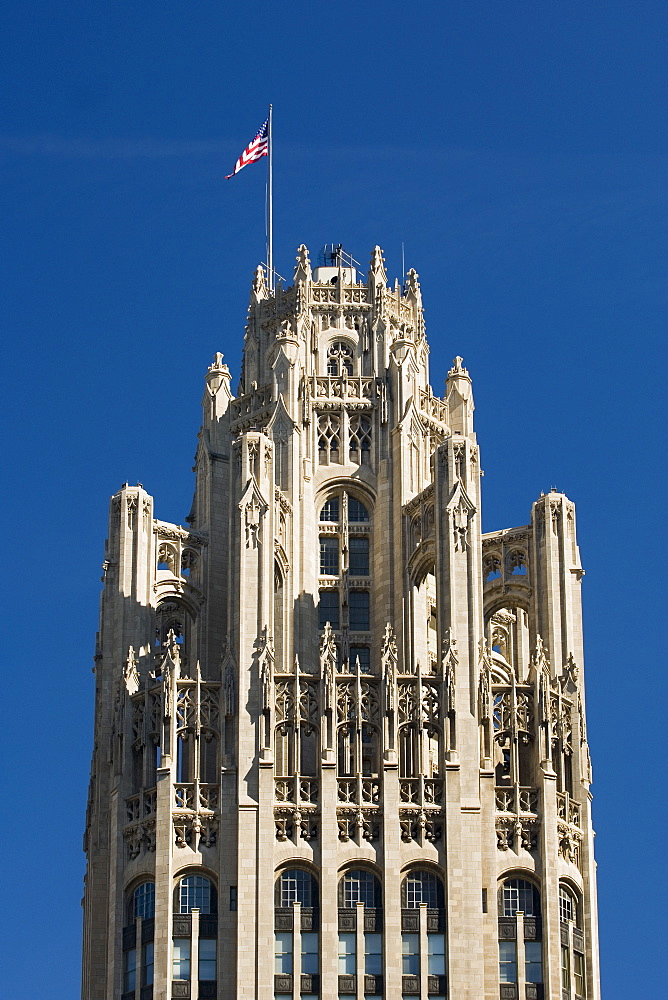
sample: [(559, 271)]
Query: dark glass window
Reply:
[(328, 608), (330, 510), (363, 654), (143, 901), (359, 556), (357, 511), (329, 556), (359, 610)]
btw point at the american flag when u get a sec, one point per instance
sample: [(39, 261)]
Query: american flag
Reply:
[(256, 149)]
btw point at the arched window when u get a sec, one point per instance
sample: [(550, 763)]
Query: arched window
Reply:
[(195, 892), (359, 438), (518, 895), (138, 955), (421, 886), (360, 886), (409, 756), (572, 943), (296, 885), (346, 549), (339, 359)]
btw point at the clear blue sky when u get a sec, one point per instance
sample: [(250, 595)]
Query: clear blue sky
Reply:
[(518, 149)]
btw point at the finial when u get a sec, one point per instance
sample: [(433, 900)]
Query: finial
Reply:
[(303, 268), (377, 265), (457, 367), (217, 362)]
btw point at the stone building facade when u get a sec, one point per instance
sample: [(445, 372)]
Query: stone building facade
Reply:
[(340, 741)]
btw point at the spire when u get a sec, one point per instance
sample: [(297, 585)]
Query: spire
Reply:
[(377, 272), (303, 268), (459, 394)]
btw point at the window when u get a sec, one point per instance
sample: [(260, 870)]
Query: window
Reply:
[(329, 436), (329, 556), (347, 954), (283, 953), (143, 901), (410, 954), (358, 556), (359, 438), (507, 962), (330, 510), (533, 961), (579, 973), (363, 654), (361, 887), (339, 359), (147, 964), (328, 608), (129, 970), (373, 954), (181, 958), (565, 968), (196, 893), (568, 910), (421, 887), (357, 512), (207, 959), (310, 950), (296, 886), (518, 894), (436, 954), (359, 610)]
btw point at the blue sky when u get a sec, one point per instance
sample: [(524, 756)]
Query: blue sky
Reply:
[(517, 149)]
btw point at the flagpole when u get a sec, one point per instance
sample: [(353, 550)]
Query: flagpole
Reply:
[(270, 206)]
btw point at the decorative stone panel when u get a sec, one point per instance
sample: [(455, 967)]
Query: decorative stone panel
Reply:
[(283, 918), (282, 984), (180, 989), (182, 925), (436, 984), (578, 941), (310, 984), (309, 921), (410, 984), (347, 920), (208, 926), (533, 930), (507, 928), (373, 985), (347, 984), (373, 919), (435, 920), (534, 991), (508, 991), (410, 920)]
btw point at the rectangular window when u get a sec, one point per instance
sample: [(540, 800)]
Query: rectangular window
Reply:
[(436, 954), (347, 954), (181, 958), (207, 959), (328, 608), (310, 964), (129, 970), (359, 610), (329, 556), (565, 968), (373, 954), (410, 954), (579, 973), (147, 964), (359, 557), (363, 654), (283, 953), (533, 961), (233, 897), (507, 962)]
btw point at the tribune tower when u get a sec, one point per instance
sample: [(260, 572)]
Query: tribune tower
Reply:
[(340, 743)]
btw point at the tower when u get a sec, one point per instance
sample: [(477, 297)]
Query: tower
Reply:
[(340, 743)]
